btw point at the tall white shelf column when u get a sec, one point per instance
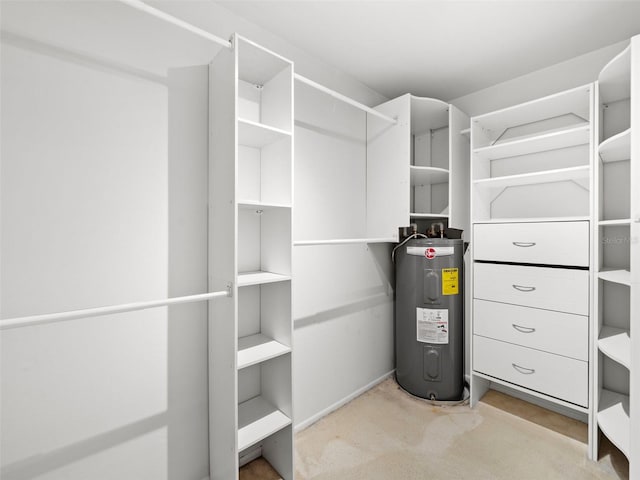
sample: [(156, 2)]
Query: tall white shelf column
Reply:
[(250, 243), (616, 384), (532, 207)]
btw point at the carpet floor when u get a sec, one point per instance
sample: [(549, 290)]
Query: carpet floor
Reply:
[(387, 434)]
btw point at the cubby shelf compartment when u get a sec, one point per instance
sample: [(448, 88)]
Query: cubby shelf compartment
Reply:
[(546, 176), (615, 78), (615, 343), (616, 148), (572, 104), (246, 279), (258, 135), (553, 140), (622, 277), (257, 419), (258, 348), (428, 175), (613, 419)]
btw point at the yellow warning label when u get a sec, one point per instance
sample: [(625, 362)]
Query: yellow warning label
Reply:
[(449, 281)]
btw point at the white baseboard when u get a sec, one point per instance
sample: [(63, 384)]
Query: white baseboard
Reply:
[(314, 418)]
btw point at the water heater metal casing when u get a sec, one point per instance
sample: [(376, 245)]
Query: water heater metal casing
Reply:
[(429, 313)]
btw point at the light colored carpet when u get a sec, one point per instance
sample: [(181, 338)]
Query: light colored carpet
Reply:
[(387, 434)]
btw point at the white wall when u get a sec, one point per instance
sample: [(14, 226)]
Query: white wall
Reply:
[(84, 224), (343, 304), (103, 202)]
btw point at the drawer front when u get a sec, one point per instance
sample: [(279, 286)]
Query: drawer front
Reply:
[(547, 243), (554, 332), (559, 289), (553, 375)]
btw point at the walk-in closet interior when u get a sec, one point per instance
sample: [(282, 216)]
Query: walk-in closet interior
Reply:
[(202, 204)]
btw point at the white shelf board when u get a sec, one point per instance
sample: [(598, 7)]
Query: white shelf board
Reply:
[(614, 81), (428, 215), (561, 138), (428, 114), (616, 276), (246, 279), (342, 241), (258, 348), (574, 101), (534, 219), (616, 148), (252, 205), (254, 134), (546, 176), (428, 175), (620, 221), (257, 419), (613, 419), (615, 343)]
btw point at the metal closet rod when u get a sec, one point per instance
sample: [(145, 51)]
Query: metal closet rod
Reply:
[(345, 99), (143, 7), (33, 320)]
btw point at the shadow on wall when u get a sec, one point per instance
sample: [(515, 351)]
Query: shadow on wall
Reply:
[(36, 465)]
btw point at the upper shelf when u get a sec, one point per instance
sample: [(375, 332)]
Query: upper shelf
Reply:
[(560, 138), (572, 103), (615, 78), (428, 175), (616, 148), (254, 134), (428, 114), (57, 26)]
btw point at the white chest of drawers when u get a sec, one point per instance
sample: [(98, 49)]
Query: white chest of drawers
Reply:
[(531, 312)]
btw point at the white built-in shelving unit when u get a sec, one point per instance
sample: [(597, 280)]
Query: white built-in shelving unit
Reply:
[(417, 168), (250, 334), (617, 288), (532, 203)]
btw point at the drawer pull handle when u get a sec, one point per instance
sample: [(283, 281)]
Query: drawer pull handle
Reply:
[(524, 244), (522, 329), (521, 288), (523, 370)]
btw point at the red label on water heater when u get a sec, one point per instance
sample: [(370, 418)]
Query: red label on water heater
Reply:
[(430, 253)]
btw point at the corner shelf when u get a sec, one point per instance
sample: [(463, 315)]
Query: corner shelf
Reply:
[(613, 419), (258, 419), (616, 148), (615, 343), (258, 348), (622, 277), (428, 175), (615, 78)]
